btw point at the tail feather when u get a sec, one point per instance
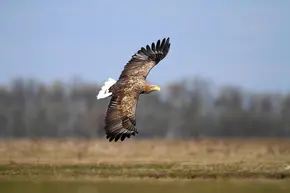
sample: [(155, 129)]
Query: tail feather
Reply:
[(104, 92)]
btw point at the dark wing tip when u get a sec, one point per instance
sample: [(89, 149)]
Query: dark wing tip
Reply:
[(120, 129), (156, 52), (120, 136)]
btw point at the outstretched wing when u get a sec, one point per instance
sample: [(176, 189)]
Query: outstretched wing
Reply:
[(145, 59), (120, 121)]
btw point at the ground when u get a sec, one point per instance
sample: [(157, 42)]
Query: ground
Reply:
[(173, 162)]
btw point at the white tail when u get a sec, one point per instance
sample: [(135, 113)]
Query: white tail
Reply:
[(104, 92)]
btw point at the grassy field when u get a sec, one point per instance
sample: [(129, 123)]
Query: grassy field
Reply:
[(95, 159), (146, 186), (85, 166)]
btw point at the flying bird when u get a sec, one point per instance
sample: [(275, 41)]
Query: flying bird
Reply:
[(120, 120)]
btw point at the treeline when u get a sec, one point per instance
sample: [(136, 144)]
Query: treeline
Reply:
[(188, 109)]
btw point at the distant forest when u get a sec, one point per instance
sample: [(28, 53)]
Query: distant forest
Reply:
[(191, 108)]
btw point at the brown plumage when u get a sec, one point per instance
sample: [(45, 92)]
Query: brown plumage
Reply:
[(120, 121)]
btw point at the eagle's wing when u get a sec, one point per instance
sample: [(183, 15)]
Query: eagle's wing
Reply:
[(145, 59), (120, 119)]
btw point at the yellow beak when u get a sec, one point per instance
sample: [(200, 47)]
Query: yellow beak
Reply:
[(157, 88)]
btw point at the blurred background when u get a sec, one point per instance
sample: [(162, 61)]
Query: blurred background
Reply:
[(223, 110), (227, 73)]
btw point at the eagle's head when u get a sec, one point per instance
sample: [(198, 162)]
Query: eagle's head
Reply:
[(150, 88)]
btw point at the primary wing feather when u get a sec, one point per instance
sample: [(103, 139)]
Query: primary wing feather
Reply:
[(145, 59), (120, 121)]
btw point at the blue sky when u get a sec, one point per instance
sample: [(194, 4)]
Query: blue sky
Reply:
[(237, 42)]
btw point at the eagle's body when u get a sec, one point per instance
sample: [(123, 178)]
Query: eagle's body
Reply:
[(120, 121)]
